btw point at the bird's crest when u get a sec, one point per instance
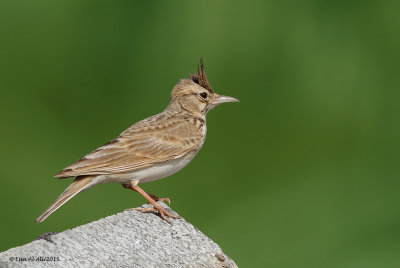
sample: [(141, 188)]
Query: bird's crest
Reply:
[(201, 78)]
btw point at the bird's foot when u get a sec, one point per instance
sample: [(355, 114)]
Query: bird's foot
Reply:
[(163, 213), (152, 199)]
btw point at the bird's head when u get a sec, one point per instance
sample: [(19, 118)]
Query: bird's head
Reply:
[(195, 95)]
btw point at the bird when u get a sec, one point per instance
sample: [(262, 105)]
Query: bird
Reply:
[(151, 149)]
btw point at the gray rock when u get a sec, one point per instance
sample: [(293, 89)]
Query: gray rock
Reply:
[(127, 239)]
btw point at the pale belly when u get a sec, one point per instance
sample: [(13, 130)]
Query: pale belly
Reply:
[(153, 173)]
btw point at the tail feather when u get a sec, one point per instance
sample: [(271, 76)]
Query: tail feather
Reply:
[(77, 186)]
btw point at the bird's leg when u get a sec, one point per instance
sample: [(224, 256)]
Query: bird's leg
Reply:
[(156, 207), (153, 196), (163, 199)]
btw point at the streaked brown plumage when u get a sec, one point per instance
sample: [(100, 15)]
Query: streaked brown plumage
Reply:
[(151, 149), (160, 138)]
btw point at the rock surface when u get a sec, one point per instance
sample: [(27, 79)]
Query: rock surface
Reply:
[(127, 239)]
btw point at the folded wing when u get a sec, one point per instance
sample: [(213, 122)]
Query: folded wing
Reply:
[(141, 146)]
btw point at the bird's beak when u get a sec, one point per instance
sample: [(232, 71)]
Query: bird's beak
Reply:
[(221, 99)]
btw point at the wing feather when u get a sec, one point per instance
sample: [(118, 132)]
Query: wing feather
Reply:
[(142, 145)]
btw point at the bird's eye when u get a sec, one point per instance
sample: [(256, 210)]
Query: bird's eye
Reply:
[(203, 95)]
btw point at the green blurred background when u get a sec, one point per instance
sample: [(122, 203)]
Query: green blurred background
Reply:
[(303, 172)]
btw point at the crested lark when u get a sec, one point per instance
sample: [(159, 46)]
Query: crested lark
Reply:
[(151, 149)]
